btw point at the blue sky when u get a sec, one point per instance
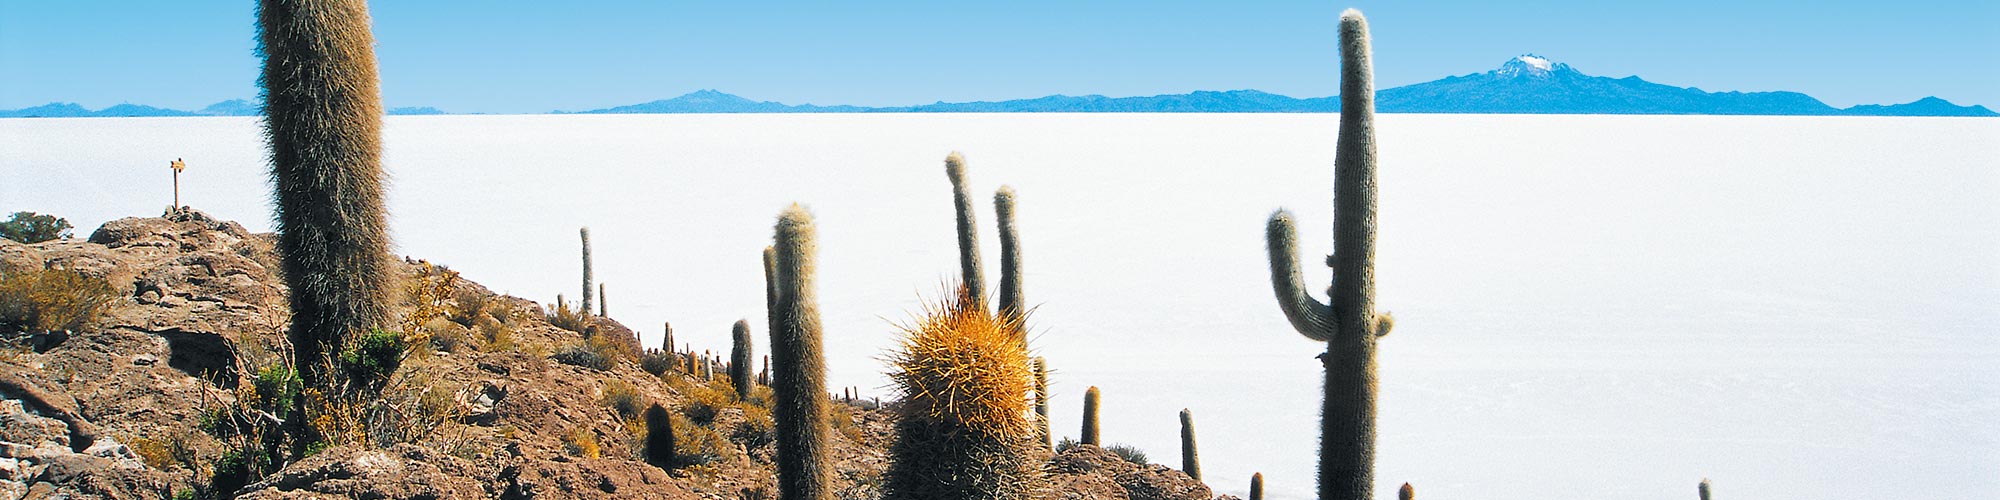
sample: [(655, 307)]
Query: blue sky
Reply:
[(517, 56)]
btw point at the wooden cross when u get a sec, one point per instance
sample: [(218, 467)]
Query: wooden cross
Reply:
[(178, 167)]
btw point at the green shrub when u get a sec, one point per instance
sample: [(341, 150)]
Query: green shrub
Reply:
[(277, 387), (30, 227), (658, 362), (622, 398), (1129, 453), (373, 358), (581, 355), (50, 300)]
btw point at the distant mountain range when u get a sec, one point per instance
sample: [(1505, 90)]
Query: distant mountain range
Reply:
[(1527, 84)]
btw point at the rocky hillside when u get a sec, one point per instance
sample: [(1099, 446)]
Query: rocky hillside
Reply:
[(148, 398)]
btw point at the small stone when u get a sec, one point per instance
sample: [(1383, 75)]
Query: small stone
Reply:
[(145, 360)]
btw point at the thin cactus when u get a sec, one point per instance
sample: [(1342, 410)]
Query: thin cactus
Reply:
[(973, 278), (584, 232), (1704, 489), (1011, 302), (1190, 459), (1042, 402), (805, 468), (739, 359), (323, 123), (770, 294), (1348, 324), (1257, 486), (603, 307), (1090, 418)]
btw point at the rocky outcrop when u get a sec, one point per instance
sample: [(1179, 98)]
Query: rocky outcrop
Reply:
[(1087, 471)]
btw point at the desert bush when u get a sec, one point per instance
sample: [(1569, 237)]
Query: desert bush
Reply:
[(563, 317), (373, 358), (581, 355), (658, 362), (1065, 444), (30, 227), (449, 336), (696, 444), (581, 442), (494, 335), (50, 299), (1128, 452), (757, 429), (705, 401), (622, 398), (468, 304), (612, 346)]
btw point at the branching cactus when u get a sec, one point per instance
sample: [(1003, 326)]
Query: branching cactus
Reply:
[(323, 121), (1089, 436), (1348, 323), (1190, 459), (1011, 304), (805, 468), (739, 360), (974, 279), (1257, 486), (584, 232)]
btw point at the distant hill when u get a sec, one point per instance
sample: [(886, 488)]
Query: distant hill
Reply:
[(1527, 84)]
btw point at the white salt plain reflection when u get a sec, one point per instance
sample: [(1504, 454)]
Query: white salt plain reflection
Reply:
[(1588, 306)]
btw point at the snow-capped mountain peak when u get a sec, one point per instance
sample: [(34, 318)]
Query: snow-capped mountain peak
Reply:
[(1531, 65)]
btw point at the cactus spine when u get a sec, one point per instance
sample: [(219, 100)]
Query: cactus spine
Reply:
[(584, 232), (1348, 323), (323, 122), (1090, 418), (739, 360), (974, 279), (1042, 402), (1190, 460), (1010, 257), (1703, 489), (805, 469), (659, 437)]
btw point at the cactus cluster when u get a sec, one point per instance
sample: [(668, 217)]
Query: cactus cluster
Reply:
[(1348, 323)]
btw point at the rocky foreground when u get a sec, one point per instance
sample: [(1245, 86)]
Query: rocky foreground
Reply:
[(122, 408)]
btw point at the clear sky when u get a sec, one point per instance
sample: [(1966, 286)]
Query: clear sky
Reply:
[(503, 56)]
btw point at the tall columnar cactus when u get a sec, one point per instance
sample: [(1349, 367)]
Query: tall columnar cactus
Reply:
[(584, 232), (805, 469), (770, 292), (1010, 257), (1408, 492), (739, 360), (1348, 323), (1257, 486), (323, 121), (963, 431), (1190, 459), (1703, 489), (659, 437), (974, 279), (1042, 402), (1090, 418)]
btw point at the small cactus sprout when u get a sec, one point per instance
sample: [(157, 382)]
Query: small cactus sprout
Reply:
[(739, 359), (963, 432), (1090, 418), (1406, 493), (1010, 257), (1703, 488), (1042, 402), (1190, 460), (973, 279), (1257, 486), (659, 437), (323, 123), (1347, 323), (584, 232), (805, 468)]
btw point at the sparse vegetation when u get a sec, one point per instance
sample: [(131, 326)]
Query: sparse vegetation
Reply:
[(31, 228), (581, 442), (581, 355), (1128, 452), (622, 398), (50, 299), (373, 358)]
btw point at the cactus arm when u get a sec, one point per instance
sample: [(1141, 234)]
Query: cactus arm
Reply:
[(1311, 318), (968, 231), (1383, 323), (1010, 255)]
